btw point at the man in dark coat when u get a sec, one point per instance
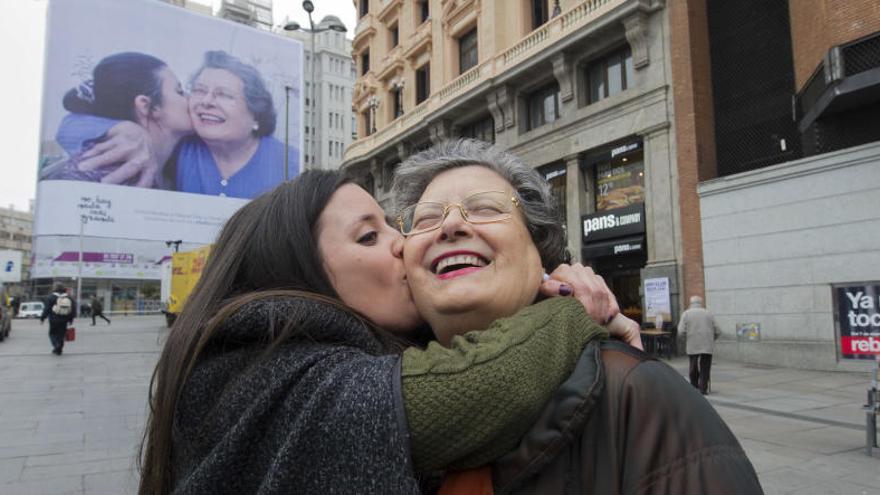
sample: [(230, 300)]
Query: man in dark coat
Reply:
[(97, 310), (59, 309)]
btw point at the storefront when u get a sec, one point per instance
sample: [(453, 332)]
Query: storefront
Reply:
[(614, 241)]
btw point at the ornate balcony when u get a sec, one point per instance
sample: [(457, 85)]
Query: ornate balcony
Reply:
[(561, 26)]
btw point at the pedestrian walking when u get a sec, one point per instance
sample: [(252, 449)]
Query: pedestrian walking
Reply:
[(97, 310), (59, 310), (699, 327)]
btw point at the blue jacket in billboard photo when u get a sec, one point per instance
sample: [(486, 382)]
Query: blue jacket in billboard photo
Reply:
[(197, 171)]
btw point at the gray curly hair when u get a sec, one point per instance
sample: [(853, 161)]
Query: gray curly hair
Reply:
[(538, 203)]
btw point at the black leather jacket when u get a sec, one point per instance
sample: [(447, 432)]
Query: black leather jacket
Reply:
[(625, 423)]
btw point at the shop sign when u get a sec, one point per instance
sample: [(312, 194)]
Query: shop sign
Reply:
[(616, 247), (609, 224), (553, 171), (626, 148), (657, 299), (857, 320)]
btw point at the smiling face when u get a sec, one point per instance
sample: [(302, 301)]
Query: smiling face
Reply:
[(218, 108), (464, 276), (362, 258), (173, 113)]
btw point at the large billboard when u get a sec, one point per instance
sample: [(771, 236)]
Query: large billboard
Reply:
[(158, 123)]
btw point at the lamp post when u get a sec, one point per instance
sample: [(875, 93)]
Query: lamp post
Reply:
[(286, 129), (373, 101), (176, 244), (331, 25), (83, 220)]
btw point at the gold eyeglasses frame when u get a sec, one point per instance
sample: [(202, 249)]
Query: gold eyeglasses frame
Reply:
[(447, 207)]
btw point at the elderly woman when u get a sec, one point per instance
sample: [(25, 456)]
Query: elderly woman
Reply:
[(480, 229), (231, 154), (233, 116)]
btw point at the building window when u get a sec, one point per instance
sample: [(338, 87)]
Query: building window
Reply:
[(539, 13), (543, 106), (423, 11), (368, 128), (365, 62), (467, 51), (364, 8), (423, 83), (482, 129), (395, 35), (397, 98), (609, 76), (620, 181)]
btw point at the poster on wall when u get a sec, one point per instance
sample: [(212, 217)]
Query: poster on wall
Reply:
[(657, 299), (10, 266), (857, 320), (159, 123)]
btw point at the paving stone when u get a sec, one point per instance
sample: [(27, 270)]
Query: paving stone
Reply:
[(113, 482), (71, 485), (10, 469), (77, 468)]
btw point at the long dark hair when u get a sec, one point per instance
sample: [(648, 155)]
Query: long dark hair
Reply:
[(116, 81), (268, 249)]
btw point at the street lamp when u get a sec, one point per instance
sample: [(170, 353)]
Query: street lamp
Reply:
[(329, 23), (176, 244), (397, 85)]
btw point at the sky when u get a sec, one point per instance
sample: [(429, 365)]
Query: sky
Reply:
[(22, 48)]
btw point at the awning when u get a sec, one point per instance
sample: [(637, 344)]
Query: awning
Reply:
[(614, 247), (852, 91)]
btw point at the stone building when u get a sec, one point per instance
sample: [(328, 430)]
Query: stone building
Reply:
[(327, 114)]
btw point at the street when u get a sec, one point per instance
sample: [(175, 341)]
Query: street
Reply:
[(72, 424)]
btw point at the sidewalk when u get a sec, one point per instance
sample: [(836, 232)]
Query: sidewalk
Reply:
[(804, 431), (71, 424)]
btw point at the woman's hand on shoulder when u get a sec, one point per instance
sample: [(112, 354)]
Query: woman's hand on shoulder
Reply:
[(583, 284), (127, 144)]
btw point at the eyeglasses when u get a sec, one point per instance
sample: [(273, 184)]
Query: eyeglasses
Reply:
[(199, 92), (482, 207)]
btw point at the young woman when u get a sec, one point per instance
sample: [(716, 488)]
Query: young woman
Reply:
[(132, 87), (288, 371)]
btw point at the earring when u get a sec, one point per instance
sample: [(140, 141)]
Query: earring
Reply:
[(256, 126)]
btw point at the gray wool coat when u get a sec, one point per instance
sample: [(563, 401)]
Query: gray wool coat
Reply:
[(322, 414), (700, 329)]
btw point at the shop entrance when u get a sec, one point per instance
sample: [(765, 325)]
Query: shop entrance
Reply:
[(623, 276)]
